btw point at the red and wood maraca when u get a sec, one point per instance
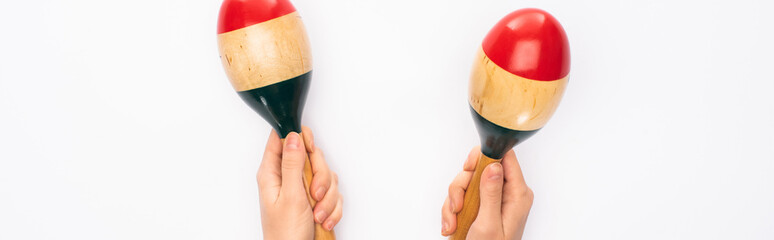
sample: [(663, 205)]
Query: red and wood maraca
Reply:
[(265, 52), (518, 79)]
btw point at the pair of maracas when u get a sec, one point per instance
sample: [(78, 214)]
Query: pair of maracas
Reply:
[(518, 78)]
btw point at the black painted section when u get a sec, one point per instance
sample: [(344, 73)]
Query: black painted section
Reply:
[(497, 140), (281, 104)]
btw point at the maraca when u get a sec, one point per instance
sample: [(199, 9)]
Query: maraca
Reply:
[(518, 79), (265, 52)]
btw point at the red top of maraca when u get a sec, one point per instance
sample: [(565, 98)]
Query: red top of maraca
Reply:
[(529, 43), (236, 14)]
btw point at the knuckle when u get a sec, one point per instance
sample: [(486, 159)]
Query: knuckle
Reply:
[(524, 195), (525, 192), (260, 178), (529, 195), (521, 189), (331, 204)]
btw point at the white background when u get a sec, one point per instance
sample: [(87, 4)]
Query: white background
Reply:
[(117, 120)]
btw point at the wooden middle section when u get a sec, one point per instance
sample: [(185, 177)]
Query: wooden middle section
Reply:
[(511, 101), (265, 53)]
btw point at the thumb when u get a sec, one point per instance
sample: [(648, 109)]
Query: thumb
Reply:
[(293, 160), (491, 196)]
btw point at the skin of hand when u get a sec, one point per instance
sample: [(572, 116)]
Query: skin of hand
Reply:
[(505, 200), (285, 209)]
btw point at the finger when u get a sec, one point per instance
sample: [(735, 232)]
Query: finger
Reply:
[(269, 173), (325, 207), (470, 163), (322, 178), (489, 213), (515, 189), (293, 160), (517, 196), (308, 138), (335, 215), (457, 190), (448, 219), (512, 169)]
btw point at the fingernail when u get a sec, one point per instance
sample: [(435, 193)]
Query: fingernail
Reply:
[(320, 193), (444, 228), (291, 141), (328, 225), (497, 171), (320, 216)]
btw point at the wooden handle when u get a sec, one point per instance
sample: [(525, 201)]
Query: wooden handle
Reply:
[(472, 200), (320, 233)]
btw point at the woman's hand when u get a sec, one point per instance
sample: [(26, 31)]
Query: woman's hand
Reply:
[(285, 209), (505, 200)]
